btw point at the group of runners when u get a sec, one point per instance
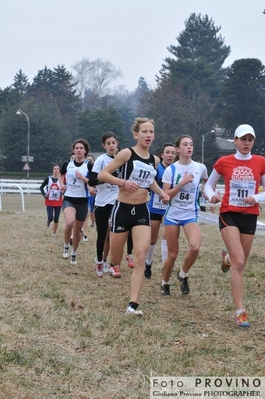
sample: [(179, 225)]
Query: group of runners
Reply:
[(136, 192)]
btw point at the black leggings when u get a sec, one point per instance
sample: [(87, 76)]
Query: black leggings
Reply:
[(102, 215), (53, 213), (129, 243)]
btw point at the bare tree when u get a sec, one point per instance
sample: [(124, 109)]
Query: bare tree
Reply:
[(95, 77)]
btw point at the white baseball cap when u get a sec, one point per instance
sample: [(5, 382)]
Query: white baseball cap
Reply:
[(242, 130)]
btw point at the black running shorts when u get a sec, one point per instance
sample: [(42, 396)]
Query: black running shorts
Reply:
[(125, 216), (246, 223)]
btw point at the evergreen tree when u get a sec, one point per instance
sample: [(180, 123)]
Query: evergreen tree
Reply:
[(200, 40), (199, 56), (7, 97), (13, 143), (14, 93), (65, 90), (21, 83), (50, 136), (52, 106), (57, 87), (189, 85), (243, 98), (176, 112), (94, 123), (141, 97), (43, 82)]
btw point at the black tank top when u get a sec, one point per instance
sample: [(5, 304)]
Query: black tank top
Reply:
[(139, 170)]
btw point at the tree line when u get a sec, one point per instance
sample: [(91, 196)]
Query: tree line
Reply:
[(194, 95)]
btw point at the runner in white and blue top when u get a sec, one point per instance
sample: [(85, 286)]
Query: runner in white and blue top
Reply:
[(157, 208), (181, 182)]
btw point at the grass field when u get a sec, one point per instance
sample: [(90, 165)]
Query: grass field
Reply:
[(64, 332)]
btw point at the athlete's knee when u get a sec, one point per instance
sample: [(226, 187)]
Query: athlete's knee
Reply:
[(69, 225), (238, 264), (172, 255), (194, 249), (139, 259)]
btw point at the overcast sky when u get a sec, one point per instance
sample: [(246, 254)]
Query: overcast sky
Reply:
[(132, 35)]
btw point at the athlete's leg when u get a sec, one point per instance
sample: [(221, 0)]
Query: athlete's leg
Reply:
[(141, 236), (193, 234), (172, 236), (238, 246)]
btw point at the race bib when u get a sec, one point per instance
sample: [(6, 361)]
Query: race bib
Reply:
[(240, 189), (186, 197), (157, 202), (142, 174), (54, 195)]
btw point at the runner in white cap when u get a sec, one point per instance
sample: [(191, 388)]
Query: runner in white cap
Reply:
[(243, 173)]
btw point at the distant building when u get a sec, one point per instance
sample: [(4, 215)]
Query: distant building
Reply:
[(225, 147)]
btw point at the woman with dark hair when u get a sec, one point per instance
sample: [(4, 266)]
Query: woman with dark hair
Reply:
[(106, 195), (167, 155), (181, 181), (51, 191), (74, 177), (243, 172)]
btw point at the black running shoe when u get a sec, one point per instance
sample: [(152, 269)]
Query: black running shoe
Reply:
[(148, 271), (184, 286), (165, 290)]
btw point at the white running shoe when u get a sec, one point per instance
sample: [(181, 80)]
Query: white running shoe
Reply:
[(66, 253), (134, 312), (105, 267), (99, 269), (73, 260)]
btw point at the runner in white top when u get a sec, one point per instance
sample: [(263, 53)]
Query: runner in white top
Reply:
[(74, 178), (181, 182), (106, 196), (106, 193)]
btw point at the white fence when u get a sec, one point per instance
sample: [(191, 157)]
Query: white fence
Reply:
[(9, 186)]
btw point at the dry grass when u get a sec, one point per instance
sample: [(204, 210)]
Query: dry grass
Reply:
[(64, 333)]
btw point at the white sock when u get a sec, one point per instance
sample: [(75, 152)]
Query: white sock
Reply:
[(163, 282), (240, 311), (73, 252), (150, 254), (182, 274), (164, 251)]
